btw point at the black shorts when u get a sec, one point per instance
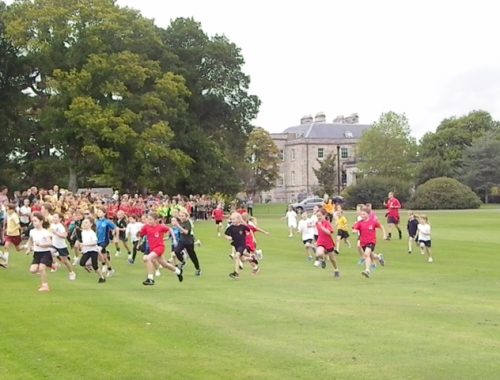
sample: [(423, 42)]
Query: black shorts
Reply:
[(241, 249), (218, 222), (427, 243), (43, 257), (122, 236), (371, 246), (315, 237), (412, 235), (63, 252), (343, 234), (103, 246), (307, 241), (392, 220)]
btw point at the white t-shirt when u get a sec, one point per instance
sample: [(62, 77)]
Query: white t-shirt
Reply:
[(313, 220), (40, 237), (306, 228), (24, 214), (89, 241), (58, 242), (424, 232), (133, 229), (291, 217)]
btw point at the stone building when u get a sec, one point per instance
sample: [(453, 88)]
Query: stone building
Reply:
[(303, 145)]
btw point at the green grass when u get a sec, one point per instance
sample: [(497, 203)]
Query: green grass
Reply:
[(411, 320)]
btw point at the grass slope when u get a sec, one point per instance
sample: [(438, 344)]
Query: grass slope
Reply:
[(411, 320)]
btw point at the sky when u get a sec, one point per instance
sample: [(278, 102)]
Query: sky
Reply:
[(429, 59)]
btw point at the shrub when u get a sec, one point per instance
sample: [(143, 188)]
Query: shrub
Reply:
[(374, 190), (444, 193)]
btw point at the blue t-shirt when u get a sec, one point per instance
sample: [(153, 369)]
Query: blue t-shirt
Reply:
[(103, 227), (177, 232)]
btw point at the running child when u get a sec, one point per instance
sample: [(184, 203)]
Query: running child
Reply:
[(325, 246), (412, 228), (218, 216), (104, 229), (424, 237), (367, 230), (90, 249), (186, 242), (155, 233), (132, 233), (59, 235), (121, 232), (12, 234), (307, 230), (39, 243), (342, 229), (236, 233), (291, 218)]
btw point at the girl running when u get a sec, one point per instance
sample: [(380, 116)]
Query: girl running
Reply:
[(291, 218), (132, 233), (39, 243), (236, 233), (155, 233), (412, 228), (12, 234), (325, 246), (367, 230), (59, 235), (307, 231), (89, 248), (424, 237), (342, 228), (186, 241)]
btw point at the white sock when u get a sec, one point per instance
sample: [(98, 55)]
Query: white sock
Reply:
[(177, 271), (151, 276)]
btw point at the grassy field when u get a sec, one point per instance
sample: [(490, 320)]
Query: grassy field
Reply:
[(411, 320)]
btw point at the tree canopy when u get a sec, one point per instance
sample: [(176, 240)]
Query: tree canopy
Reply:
[(114, 100)]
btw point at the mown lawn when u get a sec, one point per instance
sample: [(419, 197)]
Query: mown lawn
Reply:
[(411, 320)]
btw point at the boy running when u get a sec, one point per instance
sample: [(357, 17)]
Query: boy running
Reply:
[(412, 227), (424, 237)]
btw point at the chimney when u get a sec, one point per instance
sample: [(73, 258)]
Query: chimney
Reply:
[(320, 117), (307, 119)]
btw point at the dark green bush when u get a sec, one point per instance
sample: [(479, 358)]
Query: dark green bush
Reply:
[(374, 190), (444, 193)]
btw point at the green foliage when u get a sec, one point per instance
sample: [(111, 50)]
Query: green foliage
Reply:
[(261, 162), (444, 193), (481, 164), (387, 149), (113, 95), (445, 147), (374, 190), (326, 174)]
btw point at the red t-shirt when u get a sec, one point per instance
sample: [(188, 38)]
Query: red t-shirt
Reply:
[(126, 209), (218, 215), (393, 207), (367, 231), (325, 240), (250, 239), (111, 211), (155, 235)]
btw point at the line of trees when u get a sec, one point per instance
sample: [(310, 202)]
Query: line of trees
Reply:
[(465, 148), (93, 94)]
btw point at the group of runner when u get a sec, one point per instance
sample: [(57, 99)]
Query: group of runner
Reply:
[(317, 233)]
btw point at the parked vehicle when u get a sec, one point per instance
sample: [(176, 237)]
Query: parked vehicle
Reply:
[(307, 204)]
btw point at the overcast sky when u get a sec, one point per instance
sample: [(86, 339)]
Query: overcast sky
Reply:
[(429, 59)]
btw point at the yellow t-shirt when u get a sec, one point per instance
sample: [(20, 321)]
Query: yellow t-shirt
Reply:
[(13, 225), (329, 207), (342, 223)]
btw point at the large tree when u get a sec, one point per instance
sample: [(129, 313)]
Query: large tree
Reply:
[(220, 107), (388, 149), (441, 152), (326, 174), (102, 106), (262, 162), (480, 168)]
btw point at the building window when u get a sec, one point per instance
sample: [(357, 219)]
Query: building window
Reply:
[(292, 178), (344, 152), (282, 155), (292, 154), (321, 152), (280, 182), (344, 178)]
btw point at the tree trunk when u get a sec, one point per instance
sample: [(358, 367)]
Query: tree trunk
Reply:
[(73, 181), (486, 196)]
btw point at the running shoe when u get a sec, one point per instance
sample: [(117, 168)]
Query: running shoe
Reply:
[(430, 260), (323, 264), (197, 273), (179, 275), (148, 281), (101, 280), (381, 259), (366, 273), (256, 270), (44, 288), (234, 276), (336, 274), (72, 276)]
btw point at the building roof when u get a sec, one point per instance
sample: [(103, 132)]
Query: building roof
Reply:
[(320, 130)]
